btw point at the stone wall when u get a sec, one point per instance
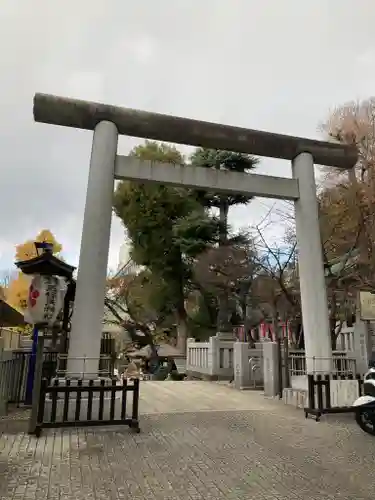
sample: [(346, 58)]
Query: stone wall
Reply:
[(11, 339), (248, 364)]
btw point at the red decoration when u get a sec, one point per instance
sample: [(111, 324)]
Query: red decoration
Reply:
[(33, 295)]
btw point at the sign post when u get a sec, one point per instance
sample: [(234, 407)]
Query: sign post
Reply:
[(30, 373), (367, 306), (36, 382)]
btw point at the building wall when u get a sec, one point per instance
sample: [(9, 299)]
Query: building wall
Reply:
[(123, 256), (125, 264), (10, 338)]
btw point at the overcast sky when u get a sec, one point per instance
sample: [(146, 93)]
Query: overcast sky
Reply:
[(268, 64)]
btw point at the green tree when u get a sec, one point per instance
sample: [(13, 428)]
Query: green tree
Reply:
[(167, 227), (227, 161)]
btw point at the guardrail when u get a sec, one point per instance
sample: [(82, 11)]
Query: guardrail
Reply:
[(106, 366), (341, 363), (79, 403)]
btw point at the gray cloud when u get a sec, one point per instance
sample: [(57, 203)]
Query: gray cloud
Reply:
[(270, 65)]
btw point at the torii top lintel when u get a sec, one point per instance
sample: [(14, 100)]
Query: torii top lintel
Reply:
[(81, 114)]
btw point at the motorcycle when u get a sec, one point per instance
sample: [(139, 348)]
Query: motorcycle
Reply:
[(365, 405)]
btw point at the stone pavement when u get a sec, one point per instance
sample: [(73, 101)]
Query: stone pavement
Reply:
[(192, 396), (261, 450)]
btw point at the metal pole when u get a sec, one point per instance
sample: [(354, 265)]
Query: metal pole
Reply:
[(276, 330), (37, 383), (286, 362), (31, 371)]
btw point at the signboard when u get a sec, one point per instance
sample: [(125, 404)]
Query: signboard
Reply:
[(45, 299), (367, 306)]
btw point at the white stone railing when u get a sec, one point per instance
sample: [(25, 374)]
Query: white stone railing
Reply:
[(345, 339), (224, 366), (198, 357), (213, 359), (222, 359)]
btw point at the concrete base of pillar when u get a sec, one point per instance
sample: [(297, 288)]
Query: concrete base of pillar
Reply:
[(299, 382), (342, 393), (271, 375), (180, 364)]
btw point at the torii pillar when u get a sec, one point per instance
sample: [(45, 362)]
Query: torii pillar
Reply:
[(87, 319)]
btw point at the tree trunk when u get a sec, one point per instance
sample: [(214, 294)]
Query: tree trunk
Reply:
[(55, 335), (210, 302), (223, 216), (223, 296), (332, 319), (333, 342), (300, 336), (181, 316), (182, 329), (332, 324), (223, 324)]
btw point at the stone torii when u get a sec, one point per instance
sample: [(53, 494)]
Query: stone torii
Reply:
[(106, 165)]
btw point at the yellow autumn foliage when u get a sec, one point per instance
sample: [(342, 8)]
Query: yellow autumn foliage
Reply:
[(18, 289), (27, 250)]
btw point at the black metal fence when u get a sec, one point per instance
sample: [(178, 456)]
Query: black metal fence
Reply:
[(77, 404), (5, 383), (319, 394), (13, 375)]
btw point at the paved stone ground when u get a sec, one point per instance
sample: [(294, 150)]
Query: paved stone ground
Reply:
[(261, 450), (180, 397)]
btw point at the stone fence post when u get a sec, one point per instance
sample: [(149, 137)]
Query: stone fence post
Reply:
[(271, 369), (3, 382), (241, 365), (213, 356)]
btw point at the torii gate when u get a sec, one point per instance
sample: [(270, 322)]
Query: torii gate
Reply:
[(106, 166)]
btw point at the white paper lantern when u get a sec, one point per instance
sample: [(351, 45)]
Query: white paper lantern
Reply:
[(45, 299)]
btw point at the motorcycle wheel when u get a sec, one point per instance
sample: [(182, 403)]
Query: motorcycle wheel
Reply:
[(366, 420)]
